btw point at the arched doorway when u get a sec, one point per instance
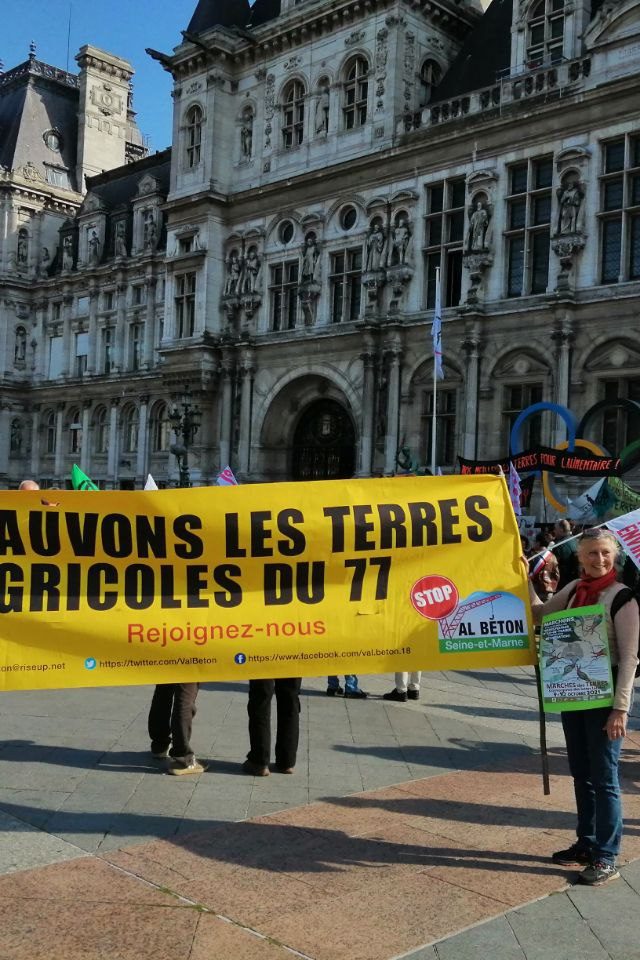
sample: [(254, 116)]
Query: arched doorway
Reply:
[(324, 443)]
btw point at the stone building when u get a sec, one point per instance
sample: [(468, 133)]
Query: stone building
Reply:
[(280, 259)]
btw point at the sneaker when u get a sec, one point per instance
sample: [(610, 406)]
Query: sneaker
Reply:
[(574, 855), (335, 692), (160, 754), (355, 695), (598, 873), (182, 768), (396, 695), (413, 694), (254, 769)]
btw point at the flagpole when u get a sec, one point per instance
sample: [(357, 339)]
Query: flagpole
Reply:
[(436, 316)]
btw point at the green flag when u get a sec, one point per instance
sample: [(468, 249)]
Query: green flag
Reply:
[(80, 481)]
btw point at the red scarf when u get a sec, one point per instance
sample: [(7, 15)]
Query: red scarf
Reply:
[(589, 588)]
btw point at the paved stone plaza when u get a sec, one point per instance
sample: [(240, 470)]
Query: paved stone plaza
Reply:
[(409, 830)]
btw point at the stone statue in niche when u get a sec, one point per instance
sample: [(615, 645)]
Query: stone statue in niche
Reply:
[(322, 112), (94, 247), (310, 259), (45, 262), (23, 248), (478, 228), (20, 348), (234, 275), (251, 278), (376, 242), (120, 242), (570, 197), (67, 254), (16, 436), (246, 136), (400, 240), (150, 231)]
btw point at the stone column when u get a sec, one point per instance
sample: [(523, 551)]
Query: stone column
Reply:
[(59, 458), (562, 337), (121, 325), (150, 323), (35, 442), (38, 340), (143, 438), (247, 372), (226, 413), (5, 437), (471, 345), (86, 438), (92, 351), (368, 411), (114, 445), (393, 408), (67, 339)]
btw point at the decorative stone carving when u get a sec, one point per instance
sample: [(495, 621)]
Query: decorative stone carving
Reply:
[(150, 232), (354, 38), (321, 122), (233, 280), (269, 106), (45, 263), (569, 239), (67, 253), (570, 201), (22, 255), (479, 234), (246, 134), (376, 247), (93, 246), (120, 240), (401, 237), (409, 67), (477, 264), (310, 259), (251, 275)]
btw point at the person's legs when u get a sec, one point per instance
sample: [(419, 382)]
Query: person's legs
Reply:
[(414, 680), (575, 734), (333, 683), (184, 710), (159, 721), (350, 683), (401, 682), (288, 725), (604, 755), (259, 710)]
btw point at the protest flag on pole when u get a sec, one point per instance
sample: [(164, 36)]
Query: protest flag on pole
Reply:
[(80, 481), (514, 489), (438, 372), (226, 478), (626, 530)]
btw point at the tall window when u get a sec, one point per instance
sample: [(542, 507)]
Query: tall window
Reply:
[(75, 431), (82, 351), (194, 136), (444, 233), (515, 399), (107, 349), (130, 430), (345, 282), (284, 295), (528, 227), (356, 93), (185, 302), (160, 429), (430, 77), (446, 403), (101, 431), (50, 432), (620, 210), (293, 114), (545, 32), (619, 425)]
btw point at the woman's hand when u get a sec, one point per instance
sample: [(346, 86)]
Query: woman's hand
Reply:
[(616, 725)]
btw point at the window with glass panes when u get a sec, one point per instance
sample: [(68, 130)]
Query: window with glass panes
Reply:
[(620, 210), (545, 32), (345, 283), (136, 345), (107, 348), (516, 398), (284, 295), (528, 232), (619, 424), (194, 136), (185, 303), (446, 403), (444, 232), (356, 93), (293, 115)]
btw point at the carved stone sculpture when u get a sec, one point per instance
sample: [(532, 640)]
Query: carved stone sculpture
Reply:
[(94, 248), (322, 112), (150, 231), (310, 259), (246, 136), (45, 262), (376, 242), (23, 248), (400, 240), (570, 198), (67, 254), (120, 243), (233, 280), (251, 277), (478, 228)]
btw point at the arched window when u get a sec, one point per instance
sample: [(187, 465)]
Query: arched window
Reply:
[(293, 114), (160, 429), (130, 430), (545, 32), (430, 77), (50, 432), (193, 136), (356, 92), (20, 347), (74, 428), (101, 431)]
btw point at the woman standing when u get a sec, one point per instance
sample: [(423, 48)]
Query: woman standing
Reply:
[(594, 737)]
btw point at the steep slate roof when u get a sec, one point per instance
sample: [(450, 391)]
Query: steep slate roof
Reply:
[(485, 52), (219, 13), (117, 188), (263, 11)]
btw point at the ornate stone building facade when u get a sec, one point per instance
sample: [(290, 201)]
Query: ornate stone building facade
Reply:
[(327, 156)]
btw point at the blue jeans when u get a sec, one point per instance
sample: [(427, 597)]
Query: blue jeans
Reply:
[(350, 683), (593, 762)]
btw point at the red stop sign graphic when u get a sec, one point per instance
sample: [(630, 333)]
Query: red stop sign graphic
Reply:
[(434, 596)]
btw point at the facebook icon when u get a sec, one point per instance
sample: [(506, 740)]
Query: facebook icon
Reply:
[(240, 658)]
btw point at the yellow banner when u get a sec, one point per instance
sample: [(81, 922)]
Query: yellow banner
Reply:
[(273, 580)]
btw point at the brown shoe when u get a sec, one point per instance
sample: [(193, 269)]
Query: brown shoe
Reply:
[(284, 769), (254, 769)]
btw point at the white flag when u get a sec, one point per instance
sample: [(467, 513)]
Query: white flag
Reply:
[(436, 331), (514, 489), (150, 483), (626, 530), (582, 509), (226, 478)]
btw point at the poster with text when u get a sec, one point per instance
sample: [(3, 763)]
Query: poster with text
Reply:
[(575, 663)]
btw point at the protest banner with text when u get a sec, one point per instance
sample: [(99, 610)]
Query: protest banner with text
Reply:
[(270, 580)]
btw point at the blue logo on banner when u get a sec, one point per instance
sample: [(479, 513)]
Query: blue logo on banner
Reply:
[(240, 658), (90, 663)]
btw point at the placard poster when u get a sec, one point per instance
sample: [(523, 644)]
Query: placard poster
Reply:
[(575, 662)]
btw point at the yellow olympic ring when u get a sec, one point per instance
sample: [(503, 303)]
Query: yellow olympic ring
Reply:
[(546, 485)]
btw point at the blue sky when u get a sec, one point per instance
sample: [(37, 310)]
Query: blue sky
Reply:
[(124, 27)]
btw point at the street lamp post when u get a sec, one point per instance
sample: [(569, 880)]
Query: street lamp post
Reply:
[(185, 420)]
